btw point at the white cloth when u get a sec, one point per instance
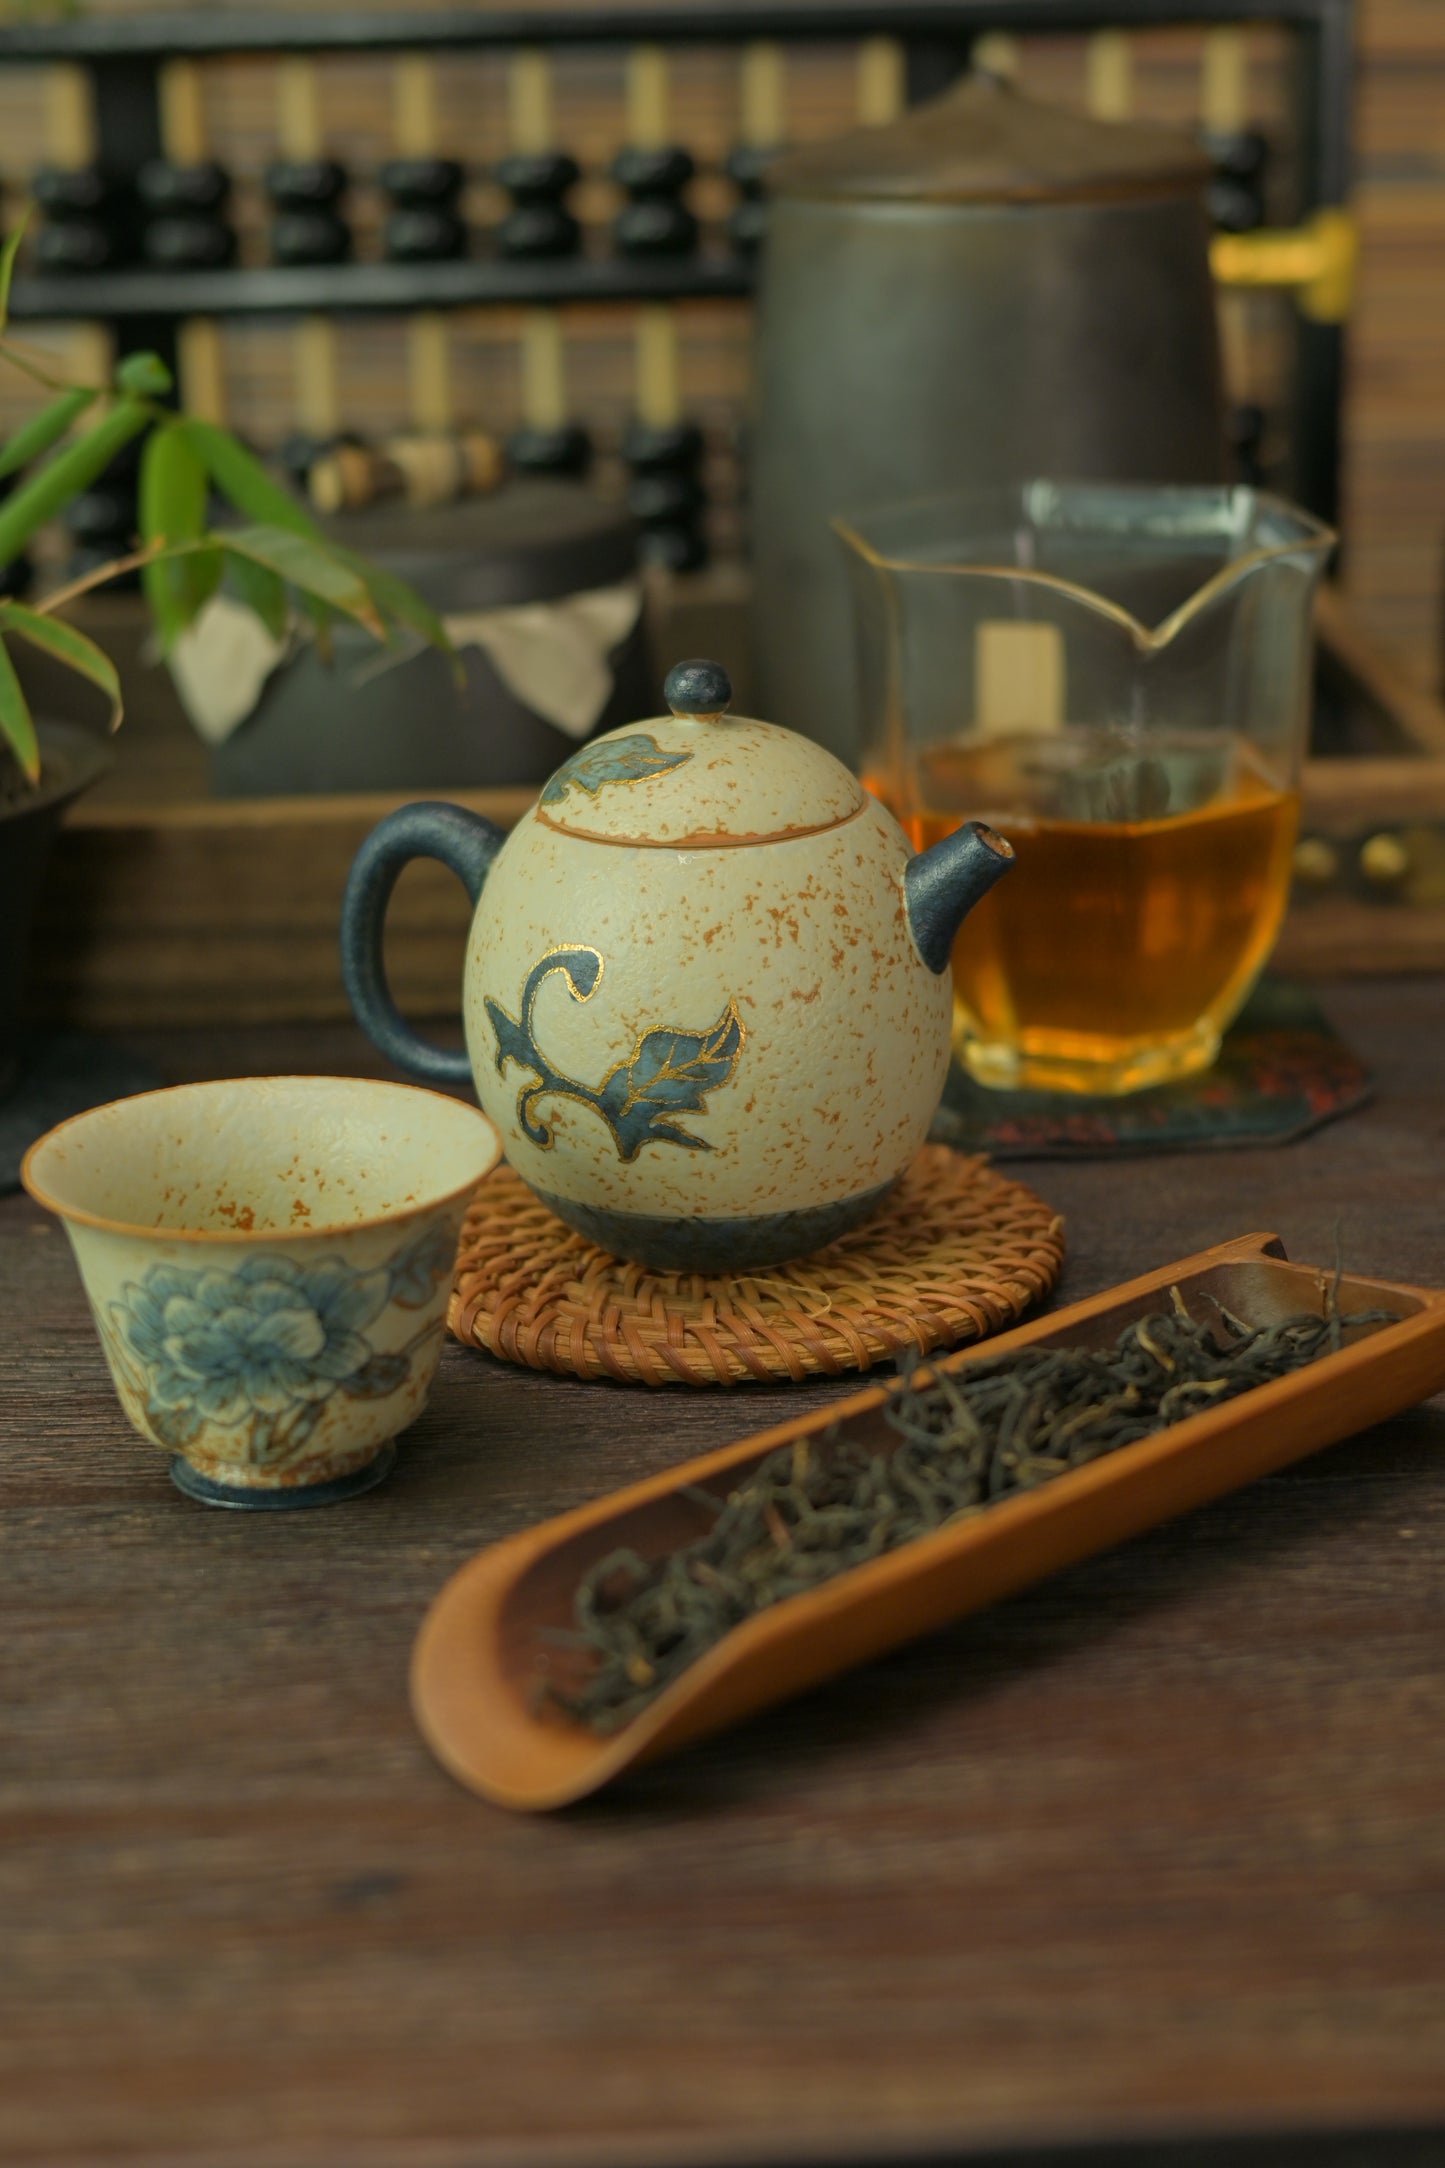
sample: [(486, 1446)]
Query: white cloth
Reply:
[(220, 664), (554, 657)]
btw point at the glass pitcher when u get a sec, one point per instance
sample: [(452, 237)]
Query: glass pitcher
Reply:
[(1119, 680)]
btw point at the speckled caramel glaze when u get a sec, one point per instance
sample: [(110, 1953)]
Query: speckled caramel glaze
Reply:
[(268, 1225), (846, 1031), (738, 781)]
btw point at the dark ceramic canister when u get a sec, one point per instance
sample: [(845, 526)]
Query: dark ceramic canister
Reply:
[(984, 290), (361, 723)]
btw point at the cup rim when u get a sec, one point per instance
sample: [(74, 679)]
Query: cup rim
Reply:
[(242, 1236)]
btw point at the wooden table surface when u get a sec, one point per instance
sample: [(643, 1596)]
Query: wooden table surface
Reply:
[(1153, 1852)]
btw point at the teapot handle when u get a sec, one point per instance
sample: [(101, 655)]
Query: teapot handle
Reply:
[(466, 845)]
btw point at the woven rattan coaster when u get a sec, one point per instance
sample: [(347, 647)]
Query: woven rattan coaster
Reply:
[(953, 1253)]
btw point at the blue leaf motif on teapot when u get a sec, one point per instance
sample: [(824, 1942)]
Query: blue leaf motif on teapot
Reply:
[(611, 760), (670, 1071)]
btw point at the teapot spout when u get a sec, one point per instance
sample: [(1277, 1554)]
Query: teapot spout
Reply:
[(942, 885)]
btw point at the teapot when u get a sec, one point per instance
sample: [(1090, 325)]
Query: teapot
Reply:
[(707, 994)]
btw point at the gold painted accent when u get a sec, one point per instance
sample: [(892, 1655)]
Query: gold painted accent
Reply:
[(1315, 533), (703, 841), (1384, 860), (559, 948), (575, 948), (1315, 261), (1316, 862), (729, 1016)]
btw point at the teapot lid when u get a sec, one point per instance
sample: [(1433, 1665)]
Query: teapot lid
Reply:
[(699, 779), (982, 142)]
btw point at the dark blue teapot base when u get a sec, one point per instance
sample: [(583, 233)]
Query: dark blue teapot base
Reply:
[(715, 1245)]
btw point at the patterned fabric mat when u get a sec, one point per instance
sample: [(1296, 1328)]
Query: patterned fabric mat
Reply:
[(1283, 1070)]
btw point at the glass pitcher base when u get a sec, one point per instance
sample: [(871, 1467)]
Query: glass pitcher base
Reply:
[(1131, 1066)]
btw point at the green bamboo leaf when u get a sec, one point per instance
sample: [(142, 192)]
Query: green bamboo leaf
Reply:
[(172, 502), (394, 599), (44, 429), (16, 726), (7, 264), (145, 376), (244, 482), (68, 646), (309, 566), (51, 487), (262, 591), (321, 620)]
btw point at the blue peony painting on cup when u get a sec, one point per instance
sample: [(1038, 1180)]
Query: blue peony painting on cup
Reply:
[(270, 1343)]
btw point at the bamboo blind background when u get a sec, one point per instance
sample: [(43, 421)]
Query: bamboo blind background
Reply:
[(1394, 483)]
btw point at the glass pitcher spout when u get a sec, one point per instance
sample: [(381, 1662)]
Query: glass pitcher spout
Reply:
[(1118, 679)]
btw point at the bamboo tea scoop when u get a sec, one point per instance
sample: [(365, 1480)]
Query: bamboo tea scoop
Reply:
[(476, 1662)]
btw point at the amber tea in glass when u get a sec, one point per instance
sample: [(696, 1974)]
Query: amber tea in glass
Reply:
[(1146, 778)]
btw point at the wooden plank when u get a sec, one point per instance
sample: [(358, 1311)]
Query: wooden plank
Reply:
[(1153, 1851)]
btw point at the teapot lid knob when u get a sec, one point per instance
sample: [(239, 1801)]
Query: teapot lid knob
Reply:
[(697, 688)]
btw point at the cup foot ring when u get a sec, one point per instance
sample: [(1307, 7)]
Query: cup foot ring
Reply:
[(253, 1498)]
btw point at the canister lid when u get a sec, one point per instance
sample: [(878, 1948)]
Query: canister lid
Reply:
[(983, 142), (532, 541), (699, 778)]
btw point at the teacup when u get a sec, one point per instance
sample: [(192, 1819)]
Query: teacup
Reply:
[(268, 1262)]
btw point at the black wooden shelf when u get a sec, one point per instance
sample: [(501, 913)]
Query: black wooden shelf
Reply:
[(128, 296), (226, 30)]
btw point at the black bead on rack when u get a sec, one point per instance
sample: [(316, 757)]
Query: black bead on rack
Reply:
[(86, 220), (746, 167), (308, 227), (423, 224), (1236, 193), (565, 452), (298, 454), (539, 223), (184, 213), (654, 221), (665, 495)]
